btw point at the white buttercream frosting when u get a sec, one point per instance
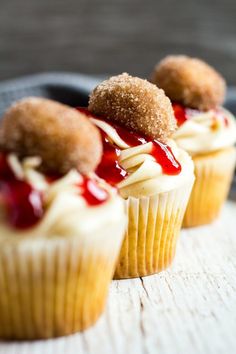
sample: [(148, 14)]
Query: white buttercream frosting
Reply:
[(207, 131), (145, 175), (66, 211)]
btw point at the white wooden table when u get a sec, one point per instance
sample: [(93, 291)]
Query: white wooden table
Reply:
[(189, 309)]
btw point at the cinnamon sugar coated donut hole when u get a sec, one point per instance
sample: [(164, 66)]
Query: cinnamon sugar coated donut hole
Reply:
[(190, 81), (136, 104), (63, 137)]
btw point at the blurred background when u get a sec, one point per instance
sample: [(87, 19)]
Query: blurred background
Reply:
[(108, 36)]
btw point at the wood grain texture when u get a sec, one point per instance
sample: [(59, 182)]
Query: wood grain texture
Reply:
[(191, 308), (107, 36)]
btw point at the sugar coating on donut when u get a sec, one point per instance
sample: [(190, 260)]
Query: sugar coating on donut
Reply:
[(190, 81), (63, 137), (136, 104)]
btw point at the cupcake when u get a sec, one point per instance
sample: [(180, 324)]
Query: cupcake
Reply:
[(206, 130), (61, 227), (152, 174)]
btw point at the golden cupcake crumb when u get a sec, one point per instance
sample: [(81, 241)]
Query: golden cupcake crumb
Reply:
[(63, 137), (190, 81), (136, 104)]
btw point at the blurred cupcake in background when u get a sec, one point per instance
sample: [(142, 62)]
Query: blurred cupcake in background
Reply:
[(61, 227), (153, 175), (206, 130)]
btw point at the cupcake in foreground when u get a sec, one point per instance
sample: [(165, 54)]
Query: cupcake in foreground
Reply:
[(152, 174), (61, 227), (206, 131)]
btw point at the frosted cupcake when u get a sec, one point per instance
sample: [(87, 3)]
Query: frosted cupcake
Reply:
[(61, 227), (153, 175), (206, 131)]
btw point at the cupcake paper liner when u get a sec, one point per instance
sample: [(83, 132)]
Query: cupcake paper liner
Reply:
[(55, 286), (214, 174), (153, 228)]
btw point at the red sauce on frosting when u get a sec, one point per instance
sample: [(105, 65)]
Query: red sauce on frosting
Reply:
[(180, 113), (109, 168), (92, 193), (24, 204), (165, 157), (221, 115), (184, 113), (130, 138)]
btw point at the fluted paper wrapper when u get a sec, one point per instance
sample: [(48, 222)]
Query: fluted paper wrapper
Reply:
[(55, 286), (153, 229), (214, 174)]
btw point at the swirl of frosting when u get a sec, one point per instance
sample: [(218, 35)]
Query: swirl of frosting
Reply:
[(203, 132), (145, 175), (67, 212)]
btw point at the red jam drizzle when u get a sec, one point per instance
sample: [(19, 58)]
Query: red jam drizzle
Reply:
[(220, 113), (130, 138), (24, 206), (89, 189), (183, 113), (180, 113), (92, 193), (165, 157), (109, 168), (226, 122)]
